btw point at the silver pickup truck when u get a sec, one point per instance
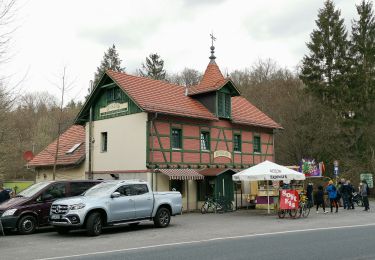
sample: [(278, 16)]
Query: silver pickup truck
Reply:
[(112, 203)]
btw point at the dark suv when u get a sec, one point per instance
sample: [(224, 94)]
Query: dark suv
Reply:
[(30, 208)]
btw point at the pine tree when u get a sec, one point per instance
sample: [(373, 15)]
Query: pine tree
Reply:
[(324, 69), (362, 53), (154, 67), (111, 61)]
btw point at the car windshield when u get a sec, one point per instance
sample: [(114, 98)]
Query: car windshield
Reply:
[(99, 189), (33, 189)]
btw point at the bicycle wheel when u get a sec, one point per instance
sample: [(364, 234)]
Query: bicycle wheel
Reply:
[(293, 213), (281, 213), (204, 208), (305, 211)]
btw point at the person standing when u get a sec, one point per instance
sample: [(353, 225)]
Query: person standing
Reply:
[(320, 199), (309, 195), (344, 191), (332, 195), (351, 191), (363, 190)]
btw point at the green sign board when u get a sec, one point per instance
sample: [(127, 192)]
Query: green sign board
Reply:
[(369, 179)]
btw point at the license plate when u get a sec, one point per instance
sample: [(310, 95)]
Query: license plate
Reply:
[(54, 216)]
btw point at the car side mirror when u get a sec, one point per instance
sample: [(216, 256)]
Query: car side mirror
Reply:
[(116, 194)]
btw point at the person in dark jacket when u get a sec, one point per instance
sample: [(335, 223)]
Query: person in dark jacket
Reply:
[(309, 194), (4, 195), (345, 193), (351, 191), (332, 195), (320, 199)]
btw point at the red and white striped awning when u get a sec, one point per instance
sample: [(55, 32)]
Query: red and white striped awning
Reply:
[(182, 174)]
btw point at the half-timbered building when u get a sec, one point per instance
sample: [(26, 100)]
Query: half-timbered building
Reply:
[(191, 139)]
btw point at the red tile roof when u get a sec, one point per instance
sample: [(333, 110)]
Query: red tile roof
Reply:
[(243, 112), (74, 135), (212, 80), (159, 96)]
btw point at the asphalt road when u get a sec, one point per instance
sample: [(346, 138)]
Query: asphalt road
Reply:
[(244, 234), (338, 243)]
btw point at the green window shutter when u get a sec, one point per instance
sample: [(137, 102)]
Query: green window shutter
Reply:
[(205, 141), (220, 104), (237, 143), (176, 138), (256, 144), (227, 106)]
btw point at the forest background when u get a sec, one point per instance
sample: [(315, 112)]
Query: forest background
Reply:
[(326, 105)]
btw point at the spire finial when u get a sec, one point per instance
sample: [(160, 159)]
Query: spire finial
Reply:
[(212, 57)]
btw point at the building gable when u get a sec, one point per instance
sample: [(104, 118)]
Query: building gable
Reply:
[(108, 100)]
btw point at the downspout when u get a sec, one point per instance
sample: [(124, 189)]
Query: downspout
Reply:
[(90, 175)]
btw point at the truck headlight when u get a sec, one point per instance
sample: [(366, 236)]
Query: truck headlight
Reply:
[(9, 212), (77, 206)]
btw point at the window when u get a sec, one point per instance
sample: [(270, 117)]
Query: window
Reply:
[(177, 185), (104, 141), (205, 141), (125, 190), (237, 143), (74, 147), (256, 144), (55, 191), (176, 138), (113, 94), (139, 189), (224, 105), (77, 188)]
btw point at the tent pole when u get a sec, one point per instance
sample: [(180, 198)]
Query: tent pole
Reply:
[(268, 199)]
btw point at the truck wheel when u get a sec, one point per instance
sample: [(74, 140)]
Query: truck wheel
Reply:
[(162, 217), (26, 225), (62, 230), (94, 224)]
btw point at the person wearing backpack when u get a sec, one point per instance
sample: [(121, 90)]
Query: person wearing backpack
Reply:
[(332, 195), (364, 191)]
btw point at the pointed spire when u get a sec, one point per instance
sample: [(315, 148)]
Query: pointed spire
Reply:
[(212, 57)]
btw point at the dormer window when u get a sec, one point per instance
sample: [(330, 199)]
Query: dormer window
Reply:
[(224, 104), (113, 94)]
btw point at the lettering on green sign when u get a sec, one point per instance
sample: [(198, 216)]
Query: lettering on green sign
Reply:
[(114, 108), (222, 153)]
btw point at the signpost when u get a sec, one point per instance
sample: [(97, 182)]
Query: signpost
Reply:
[(368, 178)]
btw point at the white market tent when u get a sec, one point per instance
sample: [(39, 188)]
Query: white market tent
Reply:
[(268, 171)]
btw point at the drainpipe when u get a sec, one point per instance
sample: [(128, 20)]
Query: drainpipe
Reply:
[(90, 175)]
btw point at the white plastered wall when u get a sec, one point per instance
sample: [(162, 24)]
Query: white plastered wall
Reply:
[(126, 147), (71, 173)]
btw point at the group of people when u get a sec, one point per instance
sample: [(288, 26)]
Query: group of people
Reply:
[(343, 191)]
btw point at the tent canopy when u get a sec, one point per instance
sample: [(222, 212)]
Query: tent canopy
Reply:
[(268, 171)]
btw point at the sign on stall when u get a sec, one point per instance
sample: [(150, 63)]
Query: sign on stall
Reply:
[(289, 199)]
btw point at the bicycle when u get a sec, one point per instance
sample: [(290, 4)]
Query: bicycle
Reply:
[(210, 205), (225, 205), (303, 206), (292, 213)]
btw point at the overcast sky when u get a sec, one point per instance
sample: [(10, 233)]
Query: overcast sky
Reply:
[(52, 34)]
